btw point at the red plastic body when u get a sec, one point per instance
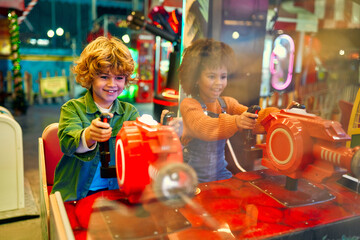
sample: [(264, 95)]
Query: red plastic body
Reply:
[(141, 150), (305, 146)]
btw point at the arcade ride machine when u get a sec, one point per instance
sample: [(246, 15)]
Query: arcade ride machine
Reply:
[(145, 45), (299, 195), (168, 27)]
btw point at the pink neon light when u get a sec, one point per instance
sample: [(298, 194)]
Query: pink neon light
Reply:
[(275, 84)]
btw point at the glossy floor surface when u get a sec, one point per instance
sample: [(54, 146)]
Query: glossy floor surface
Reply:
[(32, 125)]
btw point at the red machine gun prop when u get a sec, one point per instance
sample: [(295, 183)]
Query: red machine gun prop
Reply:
[(150, 154), (302, 145)]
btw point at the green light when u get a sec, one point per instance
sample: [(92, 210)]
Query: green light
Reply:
[(129, 93), (133, 90)]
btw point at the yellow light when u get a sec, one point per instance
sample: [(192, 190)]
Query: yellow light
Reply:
[(235, 35), (126, 38), (50, 33), (59, 31)]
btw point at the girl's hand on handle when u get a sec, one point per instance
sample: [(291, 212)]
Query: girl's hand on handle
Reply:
[(295, 104), (163, 113), (246, 120)]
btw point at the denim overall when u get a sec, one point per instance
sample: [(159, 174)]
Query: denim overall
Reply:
[(208, 157)]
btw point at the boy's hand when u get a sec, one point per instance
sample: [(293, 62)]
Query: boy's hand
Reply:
[(98, 131)]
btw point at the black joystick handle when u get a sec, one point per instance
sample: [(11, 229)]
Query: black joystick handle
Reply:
[(254, 109), (248, 135), (168, 117), (106, 171), (298, 105), (105, 117), (104, 146)]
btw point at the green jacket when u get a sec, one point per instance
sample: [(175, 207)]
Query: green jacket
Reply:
[(75, 171)]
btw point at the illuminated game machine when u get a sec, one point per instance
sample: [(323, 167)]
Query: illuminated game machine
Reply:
[(167, 94), (167, 26), (145, 48)]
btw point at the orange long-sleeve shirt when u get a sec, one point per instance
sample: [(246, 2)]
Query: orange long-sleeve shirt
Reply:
[(198, 125)]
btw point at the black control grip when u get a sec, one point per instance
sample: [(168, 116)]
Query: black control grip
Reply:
[(298, 105), (106, 171), (249, 138), (168, 117), (254, 109), (105, 117)]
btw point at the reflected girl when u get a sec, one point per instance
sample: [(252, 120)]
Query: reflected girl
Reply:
[(208, 119)]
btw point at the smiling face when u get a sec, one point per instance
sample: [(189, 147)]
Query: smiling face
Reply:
[(106, 87), (212, 83)]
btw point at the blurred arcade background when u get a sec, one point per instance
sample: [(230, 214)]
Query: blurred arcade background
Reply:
[(287, 50)]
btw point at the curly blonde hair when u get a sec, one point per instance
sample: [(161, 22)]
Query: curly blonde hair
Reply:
[(102, 56), (200, 55)]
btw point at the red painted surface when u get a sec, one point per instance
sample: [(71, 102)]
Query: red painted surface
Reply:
[(248, 213), (228, 209)]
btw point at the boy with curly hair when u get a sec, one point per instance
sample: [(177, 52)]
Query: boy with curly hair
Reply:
[(104, 68)]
